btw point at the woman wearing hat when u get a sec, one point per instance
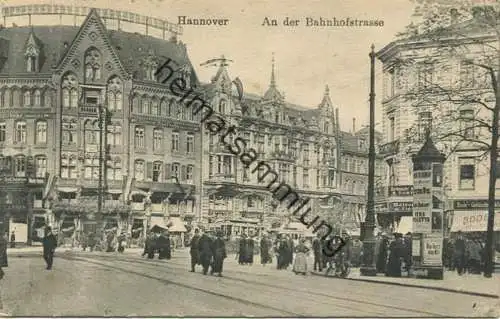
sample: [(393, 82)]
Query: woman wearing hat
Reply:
[(300, 263)]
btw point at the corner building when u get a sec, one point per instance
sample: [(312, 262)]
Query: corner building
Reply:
[(54, 83), (304, 146)]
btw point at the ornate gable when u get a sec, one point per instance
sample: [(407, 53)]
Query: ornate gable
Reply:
[(92, 34), (32, 47)]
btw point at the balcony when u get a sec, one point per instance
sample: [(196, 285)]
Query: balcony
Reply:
[(389, 149), (283, 155), (220, 213), (223, 178), (86, 109)]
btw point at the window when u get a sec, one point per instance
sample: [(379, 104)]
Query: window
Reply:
[(38, 98), (425, 124), (224, 164), (114, 170), (91, 132), (331, 178), (176, 170), (144, 104), (277, 144), (467, 123), (222, 106), (425, 75), (69, 91), (69, 131), (8, 98), (115, 97), (27, 98), (139, 137), (3, 132), (20, 132), (114, 135), (175, 141), (31, 63), (467, 173), (91, 168), (190, 143), (155, 108), (20, 166), (157, 168), (68, 167), (40, 166), (326, 128), (391, 82), (93, 65), (41, 132), (392, 128), (305, 177), (210, 166), (157, 140), (139, 170)]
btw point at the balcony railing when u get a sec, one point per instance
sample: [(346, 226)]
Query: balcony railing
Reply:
[(389, 149), (89, 109), (223, 178)]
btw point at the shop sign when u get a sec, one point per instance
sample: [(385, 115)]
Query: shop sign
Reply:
[(400, 191), (432, 250), (13, 180), (401, 206), (473, 204), (473, 221)]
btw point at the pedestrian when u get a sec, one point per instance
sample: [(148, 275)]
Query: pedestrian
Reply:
[(282, 251), (300, 262), (13, 240), (318, 253), (408, 251), (219, 254), (250, 247), (242, 251), (383, 244), (205, 251), (194, 249), (396, 255), (290, 251), (3, 255), (474, 254), (49, 247), (164, 249), (121, 242), (265, 246), (459, 253)]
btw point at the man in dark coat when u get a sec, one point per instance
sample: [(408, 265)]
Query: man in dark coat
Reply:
[(282, 249), (194, 249), (219, 254), (382, 253), (318, 253), (396, 254), (205, 252), (265, 247), (3, 254), (164, 251), (250, 246), (242, 251), (459, 253), (13, 240), (49, 247), (408, 251), (290, 251)]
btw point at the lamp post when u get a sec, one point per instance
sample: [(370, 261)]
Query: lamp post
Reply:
[(368, 266)]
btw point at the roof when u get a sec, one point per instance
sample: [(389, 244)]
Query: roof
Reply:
[(54, 41)]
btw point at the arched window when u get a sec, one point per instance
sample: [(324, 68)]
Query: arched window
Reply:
[(222, 106), (115, 101), (69, 91), (144, 104), (27, 98), (20, 166), (92, 65), (155, 108), (41, 132), (163, 107), (38, 98)]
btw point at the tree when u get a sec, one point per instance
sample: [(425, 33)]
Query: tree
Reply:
[(457, 89)]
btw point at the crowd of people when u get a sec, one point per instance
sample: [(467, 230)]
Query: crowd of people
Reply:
[(209, 251), (464, 254)]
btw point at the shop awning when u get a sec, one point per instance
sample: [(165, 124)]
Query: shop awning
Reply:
[(158, 220), (405, 225), (177, 225), (473, 221)]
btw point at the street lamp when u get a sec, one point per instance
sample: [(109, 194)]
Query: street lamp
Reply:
[(368, 266)]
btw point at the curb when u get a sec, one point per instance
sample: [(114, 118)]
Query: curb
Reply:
[(458, 291)]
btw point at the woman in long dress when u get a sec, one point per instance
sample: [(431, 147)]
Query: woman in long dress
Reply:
[(300, 263)]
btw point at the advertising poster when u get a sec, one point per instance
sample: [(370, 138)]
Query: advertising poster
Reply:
[(422, 202), (432, 250)]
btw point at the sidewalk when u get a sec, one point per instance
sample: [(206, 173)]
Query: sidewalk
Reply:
[(475, 285)]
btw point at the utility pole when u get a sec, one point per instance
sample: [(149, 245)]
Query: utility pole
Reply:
[(368, 266), (103, 118)]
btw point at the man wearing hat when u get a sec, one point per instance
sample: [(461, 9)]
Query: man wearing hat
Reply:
[(194, 249), (49, 247), (205, 251), (219, 254)]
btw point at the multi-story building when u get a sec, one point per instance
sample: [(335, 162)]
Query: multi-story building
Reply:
[(56, 83), (412, 107), (304, 146)]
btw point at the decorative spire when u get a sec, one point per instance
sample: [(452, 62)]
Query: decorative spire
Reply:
[(327, 91), (273, 80), (326, 102)]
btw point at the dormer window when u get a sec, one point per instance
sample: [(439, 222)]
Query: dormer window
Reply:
[(32, 54), (327, 128), (222, 107)]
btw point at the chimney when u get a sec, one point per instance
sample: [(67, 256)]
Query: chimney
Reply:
[(353, 125), (454, 16)]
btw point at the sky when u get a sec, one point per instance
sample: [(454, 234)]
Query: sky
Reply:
[(306, 58)]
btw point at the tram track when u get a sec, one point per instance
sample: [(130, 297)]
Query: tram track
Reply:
[(347, 303)]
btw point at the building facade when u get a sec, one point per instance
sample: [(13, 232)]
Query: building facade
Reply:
[(85, 113), (65, 91), (304, 146), (412, 107)]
